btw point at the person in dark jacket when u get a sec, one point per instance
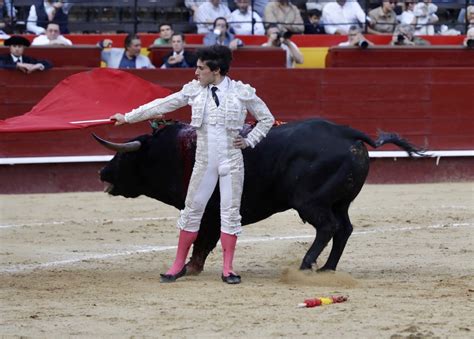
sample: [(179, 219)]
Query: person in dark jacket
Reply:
[(43, 12), (179, 57), (16, 59)]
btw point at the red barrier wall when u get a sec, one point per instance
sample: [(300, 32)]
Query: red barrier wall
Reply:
[(401, 56), (431, 107)]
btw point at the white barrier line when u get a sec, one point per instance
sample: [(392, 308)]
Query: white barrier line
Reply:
[(150, 249), (95, 221)]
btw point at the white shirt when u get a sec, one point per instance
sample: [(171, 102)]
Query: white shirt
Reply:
[(340, 18), (242, 23), (43, 40), (16, 59), (208, 13)]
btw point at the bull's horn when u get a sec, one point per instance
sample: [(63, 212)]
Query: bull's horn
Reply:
[(125, 147)]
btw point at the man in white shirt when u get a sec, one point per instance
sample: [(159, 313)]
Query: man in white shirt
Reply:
[(339, 16), (207, 13), (41, 13), (52, 37), (240, 20)]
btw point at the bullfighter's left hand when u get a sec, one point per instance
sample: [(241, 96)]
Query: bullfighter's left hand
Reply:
[(240, 142)]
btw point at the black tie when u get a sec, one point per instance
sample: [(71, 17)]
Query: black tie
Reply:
[(214, 95)]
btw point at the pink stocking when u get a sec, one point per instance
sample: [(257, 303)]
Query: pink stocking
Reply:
[(228, 242), (186, 239)]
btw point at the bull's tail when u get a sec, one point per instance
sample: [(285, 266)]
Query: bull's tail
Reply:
[(390, 138), (393, 138)]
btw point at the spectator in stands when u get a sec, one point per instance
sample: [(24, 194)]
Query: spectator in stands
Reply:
[(241, 19), (277, 39), (469, 39), (408, 16), (43, 12), (207, 13), (466, 15), (5, 18), (17, 60), (221, 35), (383, 19), (166, 32), (179, 57), (129, 57), (193, 5), (10, 10), (339, 16), (356, 39), (52, 37), (285, 15), (425, 13), (404, 35), (312, 23)]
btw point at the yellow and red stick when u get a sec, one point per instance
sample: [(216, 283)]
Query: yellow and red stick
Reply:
[(323, 301)]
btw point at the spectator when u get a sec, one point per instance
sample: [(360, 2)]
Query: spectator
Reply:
[(425, 13), (408, 16), (129, 57), (17, 60), (179, 58), (221, 35), (285, 15), (276, 39), (383, 19), (466, 15), (241, 19), (5, 19), (207, 13), (312, 23), (469, 39), (166, 32), (339, 16), (193, 5), (355, 38), (404, 35), (43, 12), (10, 9), (52, 37)]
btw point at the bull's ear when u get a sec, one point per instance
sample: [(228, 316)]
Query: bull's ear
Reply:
[(125, 147)]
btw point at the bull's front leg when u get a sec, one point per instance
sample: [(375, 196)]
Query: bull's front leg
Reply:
[(206, 241)]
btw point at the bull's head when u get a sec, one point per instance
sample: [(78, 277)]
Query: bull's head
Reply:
[(122, 174)]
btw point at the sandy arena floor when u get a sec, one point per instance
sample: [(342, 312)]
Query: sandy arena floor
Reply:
[(85, 264)]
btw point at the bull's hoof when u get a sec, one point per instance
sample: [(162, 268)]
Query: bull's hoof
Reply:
[(326, 269), (304, 266), (169, 278), (193, 269)]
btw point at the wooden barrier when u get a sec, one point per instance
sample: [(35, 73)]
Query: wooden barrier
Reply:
[(400, 56), (429, 106), (246, 56), (62, 56)]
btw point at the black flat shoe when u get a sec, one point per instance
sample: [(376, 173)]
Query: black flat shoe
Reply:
[(169, 278), (231, 279)]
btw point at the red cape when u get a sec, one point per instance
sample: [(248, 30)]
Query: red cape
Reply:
[(90, 95)]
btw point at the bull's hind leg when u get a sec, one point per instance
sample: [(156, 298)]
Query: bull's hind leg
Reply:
[(340, 238), (323, 220), (206, 241)]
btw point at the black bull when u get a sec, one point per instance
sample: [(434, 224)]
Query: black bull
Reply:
[(313, 166)]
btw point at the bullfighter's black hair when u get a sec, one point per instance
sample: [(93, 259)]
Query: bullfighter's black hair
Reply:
[(216, 57)]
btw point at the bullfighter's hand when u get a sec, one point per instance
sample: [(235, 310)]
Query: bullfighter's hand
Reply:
[(119, 119), (240, 142)]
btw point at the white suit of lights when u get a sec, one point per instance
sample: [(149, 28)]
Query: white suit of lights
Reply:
[(216, 157)]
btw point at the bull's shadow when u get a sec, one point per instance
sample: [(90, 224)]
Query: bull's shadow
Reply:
[(313, 166)]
